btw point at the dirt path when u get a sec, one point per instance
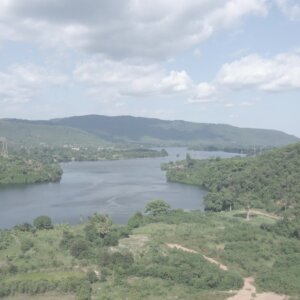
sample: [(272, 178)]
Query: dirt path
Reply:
[(264, 214), (209, 259), (248, 292)]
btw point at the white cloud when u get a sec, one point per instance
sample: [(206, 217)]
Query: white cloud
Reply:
[(290, 8), (204, 93), (176, 81), (21, 82), (114, 79), (122, 28), (278, 73)]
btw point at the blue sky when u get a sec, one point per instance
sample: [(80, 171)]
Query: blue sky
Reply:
[(215, 61)]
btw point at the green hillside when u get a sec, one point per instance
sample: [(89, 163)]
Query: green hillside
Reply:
[(160, 132), (269, 181), (167, 255), (41, 133), (18, 170), (93, 130)]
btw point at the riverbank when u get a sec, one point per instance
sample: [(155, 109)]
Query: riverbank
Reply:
[(116, 187)]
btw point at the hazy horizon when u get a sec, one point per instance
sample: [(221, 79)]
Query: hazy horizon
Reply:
[(24, 119)]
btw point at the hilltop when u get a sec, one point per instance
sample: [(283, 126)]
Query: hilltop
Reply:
[(161, 132), (43, 133), (95, 130)]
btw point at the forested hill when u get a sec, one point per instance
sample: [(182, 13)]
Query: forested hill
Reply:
[(270, 181), (43, 133), (94, 130), (161, 132)]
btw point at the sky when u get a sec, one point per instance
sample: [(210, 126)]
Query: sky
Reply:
[(214, 61)]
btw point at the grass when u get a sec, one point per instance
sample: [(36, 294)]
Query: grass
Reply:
[(47, 296), (54, 275), (227, 237), (151, 289)]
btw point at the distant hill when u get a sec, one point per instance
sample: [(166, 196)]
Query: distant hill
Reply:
[(160, 132), (102, 130), (42, 133)]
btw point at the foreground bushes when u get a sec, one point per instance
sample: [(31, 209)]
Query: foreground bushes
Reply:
[(33, 287), (189, 269)]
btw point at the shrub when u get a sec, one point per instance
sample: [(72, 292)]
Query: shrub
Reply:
[(43, 222), (79, 248), (26, 245)]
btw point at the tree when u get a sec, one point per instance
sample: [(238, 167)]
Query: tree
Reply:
[(136, 220), (157, 207), (79, 248), (43, 222), (247, 200), (102, 224), (189, 161)]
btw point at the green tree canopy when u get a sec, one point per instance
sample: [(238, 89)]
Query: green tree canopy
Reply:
[(157, 207), (43, 222), (101, 223)]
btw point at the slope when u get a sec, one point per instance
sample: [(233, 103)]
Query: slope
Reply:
[(161, 132), (36, 133), (270, 181)]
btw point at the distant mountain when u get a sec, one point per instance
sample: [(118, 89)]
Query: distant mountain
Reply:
[(160, 132), (38, 133), (102, 130)]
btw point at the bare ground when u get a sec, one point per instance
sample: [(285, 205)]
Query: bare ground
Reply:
[(211, 260), (264, 214), (247, 292)]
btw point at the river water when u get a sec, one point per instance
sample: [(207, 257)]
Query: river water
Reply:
[(118, 188)]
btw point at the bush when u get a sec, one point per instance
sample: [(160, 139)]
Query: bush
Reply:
[(79, 248), (25, 227), (43, 222), (26, 245), (91, 277), (157, 207), (84, 291), (135, 221)]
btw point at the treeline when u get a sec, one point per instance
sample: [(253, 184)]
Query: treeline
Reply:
[(19, 170), (240, 149), (41, 164), (269, 181), (81, 153)]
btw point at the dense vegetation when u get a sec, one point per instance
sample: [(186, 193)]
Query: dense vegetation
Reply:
[(40, 164), (160, 132), (66, 154), (93, 130), (106, 261), (22, 133), (19, 170), (269, 181)]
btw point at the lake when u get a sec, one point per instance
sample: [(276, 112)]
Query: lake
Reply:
[(118, 188)]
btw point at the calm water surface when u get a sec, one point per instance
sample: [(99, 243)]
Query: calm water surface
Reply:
[(118, 188)]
